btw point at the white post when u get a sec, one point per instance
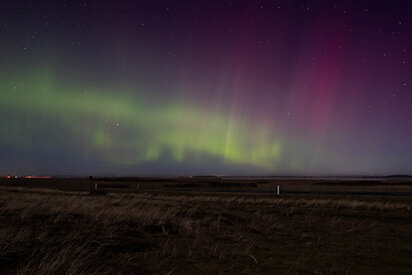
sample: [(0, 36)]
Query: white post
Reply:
[(95, 186), (278, 190)]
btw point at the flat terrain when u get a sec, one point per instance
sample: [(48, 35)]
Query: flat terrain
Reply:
[(391, 186), (174, 226)]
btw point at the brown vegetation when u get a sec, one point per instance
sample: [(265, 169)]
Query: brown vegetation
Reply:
[(52, 232)]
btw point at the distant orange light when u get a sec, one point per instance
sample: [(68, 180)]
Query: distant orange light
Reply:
[(8, 177)]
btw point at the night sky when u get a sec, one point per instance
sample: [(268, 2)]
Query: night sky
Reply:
[(205, 87)]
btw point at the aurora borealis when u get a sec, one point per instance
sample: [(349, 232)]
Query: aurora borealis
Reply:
[(205, 87)]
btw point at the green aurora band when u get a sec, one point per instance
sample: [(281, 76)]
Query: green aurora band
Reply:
[(126, 129)]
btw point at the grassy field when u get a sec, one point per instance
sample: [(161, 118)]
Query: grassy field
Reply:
[(210, 184), (46, 231)]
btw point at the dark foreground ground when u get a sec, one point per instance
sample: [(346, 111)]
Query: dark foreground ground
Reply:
[(174, 227)]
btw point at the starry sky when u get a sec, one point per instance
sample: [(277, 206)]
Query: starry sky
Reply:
[(165, 88)]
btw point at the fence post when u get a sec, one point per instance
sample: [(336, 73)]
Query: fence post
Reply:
[(95, 186), (278, 190)]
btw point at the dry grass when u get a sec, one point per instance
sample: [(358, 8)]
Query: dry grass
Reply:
[(53, 232)]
